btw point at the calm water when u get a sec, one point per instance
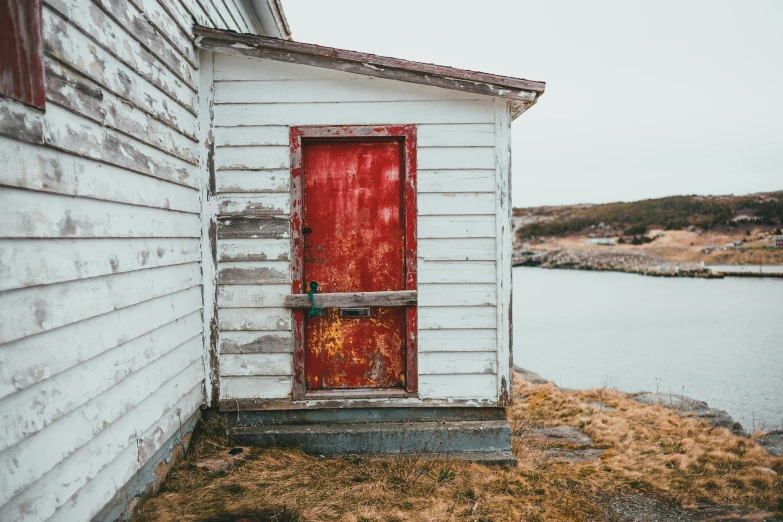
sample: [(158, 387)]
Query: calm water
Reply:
[(719, 341)]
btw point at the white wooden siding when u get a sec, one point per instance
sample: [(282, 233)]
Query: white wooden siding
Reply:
[(101, 351), (255, 103)]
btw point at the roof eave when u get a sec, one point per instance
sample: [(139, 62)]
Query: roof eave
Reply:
[(524, 92), (271, 18)]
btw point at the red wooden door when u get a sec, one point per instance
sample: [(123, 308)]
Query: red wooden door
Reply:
[(354, 241)]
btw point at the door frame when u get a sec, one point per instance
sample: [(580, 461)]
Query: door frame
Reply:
[(406, 134)]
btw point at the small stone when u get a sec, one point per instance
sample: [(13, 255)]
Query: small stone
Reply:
[(688, 406), (531, 377), (772, 442), (560, 435), (768, 471)]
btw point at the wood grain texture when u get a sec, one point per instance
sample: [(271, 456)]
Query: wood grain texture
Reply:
[(457, 135), (74, 49), (40, 215), (460, 180), (354, 299), (87, 98), (30, 360), (253, 181), (358, 113), (93, 21), (44, 169), (251, 136), (456, 157), (457, 294), (253, 250), (208, 218), (504, 237), (462, 363), (457, 249), (456, 226), (255, 364), (253, 273), (57, 398), (265, 387), (457, 203), (253, 205), (256, 342), (155, 28), (120, 27), (349, 88), (250, 404), (253, 295), (475, 387), (69, 132), (457, 272), (254, 319), (34, 310), (262, 227), (454, 318), (20, 122), (477, 340), (266, 157), (81, 436), (31, 262)]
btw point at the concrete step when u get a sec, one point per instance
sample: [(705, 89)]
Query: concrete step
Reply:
[(361, 415), (487, 441)]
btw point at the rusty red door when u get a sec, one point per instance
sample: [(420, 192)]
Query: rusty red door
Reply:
[(354, 233)]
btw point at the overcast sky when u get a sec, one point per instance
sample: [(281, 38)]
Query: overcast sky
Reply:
[(643, 99)]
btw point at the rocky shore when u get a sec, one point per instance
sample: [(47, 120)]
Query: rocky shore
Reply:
[(616, 261), (772, 441)]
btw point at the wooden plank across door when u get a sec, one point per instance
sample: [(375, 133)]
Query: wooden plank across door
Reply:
[(349, 299)]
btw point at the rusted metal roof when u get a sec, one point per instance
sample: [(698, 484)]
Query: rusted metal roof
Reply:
[(524, 92)]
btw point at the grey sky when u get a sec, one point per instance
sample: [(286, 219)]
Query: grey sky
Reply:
[(644, 98)]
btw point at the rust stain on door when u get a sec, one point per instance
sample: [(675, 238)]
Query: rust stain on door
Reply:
[(354, 241)]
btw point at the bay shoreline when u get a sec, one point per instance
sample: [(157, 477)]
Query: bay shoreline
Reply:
[(626, 261)]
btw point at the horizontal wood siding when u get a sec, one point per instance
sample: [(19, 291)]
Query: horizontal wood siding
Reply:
[(101, 327), (255, 103)]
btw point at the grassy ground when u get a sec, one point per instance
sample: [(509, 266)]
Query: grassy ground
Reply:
[(649, 451)]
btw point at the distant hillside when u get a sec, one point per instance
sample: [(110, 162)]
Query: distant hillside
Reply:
[(670, 213)]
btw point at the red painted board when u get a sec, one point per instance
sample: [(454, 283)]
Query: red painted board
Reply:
[(21, 52)]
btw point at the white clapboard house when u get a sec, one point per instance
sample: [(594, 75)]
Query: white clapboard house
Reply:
[(171, 192)]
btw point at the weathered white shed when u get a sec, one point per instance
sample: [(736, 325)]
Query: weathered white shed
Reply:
[(153, 259), (269, 99)]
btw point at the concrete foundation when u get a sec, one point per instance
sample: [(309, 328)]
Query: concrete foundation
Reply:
[(479, 434)]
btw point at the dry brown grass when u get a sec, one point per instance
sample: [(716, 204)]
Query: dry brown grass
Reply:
[(648, 449), (652, 449)]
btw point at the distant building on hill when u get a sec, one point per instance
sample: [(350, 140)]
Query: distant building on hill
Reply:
[(606, 241)]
